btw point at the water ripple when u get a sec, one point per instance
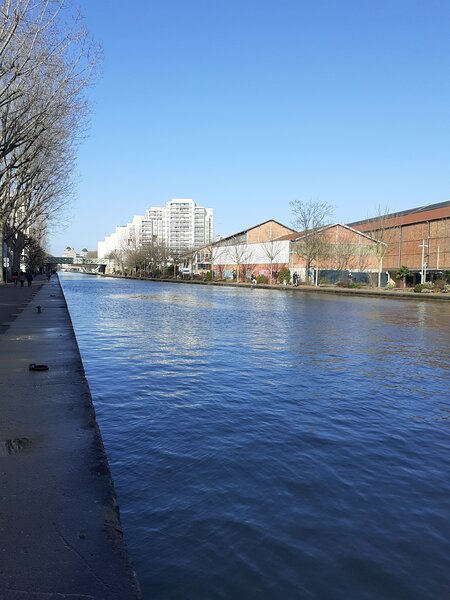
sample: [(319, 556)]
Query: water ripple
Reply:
[(271, 444)]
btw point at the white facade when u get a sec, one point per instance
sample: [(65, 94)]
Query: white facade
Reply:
[(69, 252), (152, 225), (113, 242), (181, 225), (273, 251)]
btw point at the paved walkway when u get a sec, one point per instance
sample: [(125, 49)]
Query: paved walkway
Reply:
[(13, 300), (60, 535)]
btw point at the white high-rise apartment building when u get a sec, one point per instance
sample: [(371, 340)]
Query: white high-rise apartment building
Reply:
[(124, 237), (181, 225)]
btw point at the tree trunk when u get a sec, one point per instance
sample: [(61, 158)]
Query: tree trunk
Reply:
[(2, 232), (380, 267), (17, 249)]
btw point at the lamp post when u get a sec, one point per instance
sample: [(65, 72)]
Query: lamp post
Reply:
[(423, 273)]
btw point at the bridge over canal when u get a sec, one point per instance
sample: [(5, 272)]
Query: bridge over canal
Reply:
[(80, 263)]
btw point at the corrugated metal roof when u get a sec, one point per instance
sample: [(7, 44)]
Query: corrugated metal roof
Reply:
[(402, 213)]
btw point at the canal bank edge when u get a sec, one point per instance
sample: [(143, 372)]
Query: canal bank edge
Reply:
[(60, 532), (381, 293)]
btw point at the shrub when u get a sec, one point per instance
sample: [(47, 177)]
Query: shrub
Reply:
[(284, 275), (208, 276), (423, 287), (343, 283), (262, 279), (440, 284)]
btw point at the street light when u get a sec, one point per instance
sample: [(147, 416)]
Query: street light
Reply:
[(423, 274)]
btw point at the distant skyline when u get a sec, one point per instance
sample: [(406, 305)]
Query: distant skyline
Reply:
[(245, 106)]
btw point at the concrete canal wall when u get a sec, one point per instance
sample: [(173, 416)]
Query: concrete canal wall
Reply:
[(60, 532)]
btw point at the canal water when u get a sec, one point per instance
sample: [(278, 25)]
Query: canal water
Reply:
[(271, 444)]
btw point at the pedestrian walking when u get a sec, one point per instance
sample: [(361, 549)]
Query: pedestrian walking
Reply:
[(22, 278), (15, 278), (29, 277)]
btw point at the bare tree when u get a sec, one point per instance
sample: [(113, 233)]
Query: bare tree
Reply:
[(217, 255), (118, 257), (134, 260), (343, 251), (309, 218), (35, 254), (382, 235), (240, 255), (272, 250), (45, 66), (365, 253), (156, 256)]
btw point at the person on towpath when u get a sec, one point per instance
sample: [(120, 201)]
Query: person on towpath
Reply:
[(29, 277)]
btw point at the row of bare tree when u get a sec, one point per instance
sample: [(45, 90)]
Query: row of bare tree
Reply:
[(148, 259), (242, 256), (46, 63), (315, 247)]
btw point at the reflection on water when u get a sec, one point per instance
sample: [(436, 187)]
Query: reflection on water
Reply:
[(272, 443)]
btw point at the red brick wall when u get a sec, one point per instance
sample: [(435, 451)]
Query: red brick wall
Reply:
[(347, 250), (266, 232), (404, 241)]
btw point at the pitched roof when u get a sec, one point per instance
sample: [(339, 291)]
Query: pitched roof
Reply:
[(295, 237), (402, 213), (229, 237)]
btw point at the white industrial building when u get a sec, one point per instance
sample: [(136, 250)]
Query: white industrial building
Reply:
[(181, 225)]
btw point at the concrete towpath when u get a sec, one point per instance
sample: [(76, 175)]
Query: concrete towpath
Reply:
[(13, 299), (60, 533)]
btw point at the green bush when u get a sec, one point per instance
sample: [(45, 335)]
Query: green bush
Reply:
[(284, 275), (262, 279), (403, 273)]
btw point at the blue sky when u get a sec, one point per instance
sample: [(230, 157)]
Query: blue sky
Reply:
[(245, 105)]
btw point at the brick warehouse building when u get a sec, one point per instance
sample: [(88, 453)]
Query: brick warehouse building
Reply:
[(418, 238)]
